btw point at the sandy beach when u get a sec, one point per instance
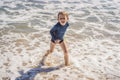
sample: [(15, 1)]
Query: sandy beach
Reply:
[(93, 40)]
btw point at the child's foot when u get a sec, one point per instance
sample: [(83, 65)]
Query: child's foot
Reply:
[(67, 64), (42, 62)]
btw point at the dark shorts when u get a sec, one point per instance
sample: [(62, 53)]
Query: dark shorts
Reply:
[(59, 42)]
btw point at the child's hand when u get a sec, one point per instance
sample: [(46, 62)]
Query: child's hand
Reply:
[(57, 41)]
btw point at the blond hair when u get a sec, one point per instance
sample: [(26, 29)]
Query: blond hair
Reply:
[(63, 13)]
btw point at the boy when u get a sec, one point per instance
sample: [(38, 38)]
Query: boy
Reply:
[(57, 34)]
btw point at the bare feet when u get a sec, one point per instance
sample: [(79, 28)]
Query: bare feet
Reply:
[(67, 64)]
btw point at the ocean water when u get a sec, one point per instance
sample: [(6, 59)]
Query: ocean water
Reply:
[(25, 24), (86, 16)]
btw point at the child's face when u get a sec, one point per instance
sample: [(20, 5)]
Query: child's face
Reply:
[(62, 19)]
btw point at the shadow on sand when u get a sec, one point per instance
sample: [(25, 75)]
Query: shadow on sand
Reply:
[(29, 75)]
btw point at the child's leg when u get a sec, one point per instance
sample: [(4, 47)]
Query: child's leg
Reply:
[(52, 46), (66, 57)]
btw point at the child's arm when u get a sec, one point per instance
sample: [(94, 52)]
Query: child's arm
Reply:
[(57, 41), (53, 33)]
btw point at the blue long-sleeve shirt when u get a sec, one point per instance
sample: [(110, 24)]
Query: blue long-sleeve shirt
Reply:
[(58, 31)]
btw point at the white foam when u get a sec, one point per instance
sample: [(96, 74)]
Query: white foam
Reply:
[(92, 53)]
